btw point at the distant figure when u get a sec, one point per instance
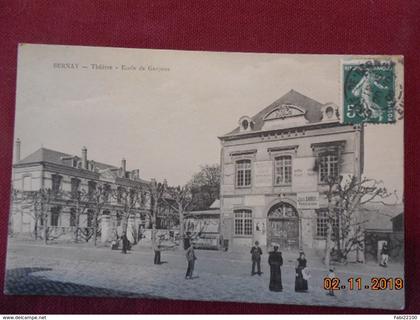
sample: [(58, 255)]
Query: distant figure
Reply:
[(256, 253), (157, 248), (331, 275), (190, 255), (187, 240), (275, 260), (384, 255), (125, 242), (301, 284)]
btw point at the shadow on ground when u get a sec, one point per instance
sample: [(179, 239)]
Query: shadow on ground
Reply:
[(24, 281)]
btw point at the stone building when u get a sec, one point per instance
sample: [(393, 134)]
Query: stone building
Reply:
[(48, 169), (274, 169)]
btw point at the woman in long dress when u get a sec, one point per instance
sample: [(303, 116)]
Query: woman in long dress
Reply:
[(275, 260), (301, 284)]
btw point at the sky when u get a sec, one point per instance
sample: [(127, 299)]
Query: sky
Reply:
[(165, 119)]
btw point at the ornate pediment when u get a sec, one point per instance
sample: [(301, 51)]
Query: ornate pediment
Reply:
[(284, 116), (284, 111)]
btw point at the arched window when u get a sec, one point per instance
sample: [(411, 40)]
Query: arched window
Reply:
[(243, 222)]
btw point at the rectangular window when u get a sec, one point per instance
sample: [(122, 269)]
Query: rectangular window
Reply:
[(283, 170), (91, 188), (106, 192), (56, 182), (27, 183), (243, 173), (322, 224), (55, 214), (243, 223), (89, 221), (328, 167), (75, 184), (72, 217)]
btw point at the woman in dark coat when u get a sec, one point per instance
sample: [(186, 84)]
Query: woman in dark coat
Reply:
[(275, 260), (301, 284)]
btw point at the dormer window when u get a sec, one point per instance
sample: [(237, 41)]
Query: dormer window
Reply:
[(330, 112), (246, 124)]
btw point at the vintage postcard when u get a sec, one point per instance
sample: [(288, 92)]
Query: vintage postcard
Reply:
[(186, 175)]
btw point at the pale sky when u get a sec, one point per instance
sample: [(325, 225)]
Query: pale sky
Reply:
[(166, 123)]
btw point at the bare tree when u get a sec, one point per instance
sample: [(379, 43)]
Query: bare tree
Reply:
[(41, 201), (98, 199), (179, 201), (80, 201), (128, 200), (345, 222), (156, 192)]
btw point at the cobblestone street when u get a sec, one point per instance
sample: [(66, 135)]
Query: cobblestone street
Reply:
[(33, 268)]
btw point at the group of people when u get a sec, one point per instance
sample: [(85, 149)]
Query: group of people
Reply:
[(275, 261)]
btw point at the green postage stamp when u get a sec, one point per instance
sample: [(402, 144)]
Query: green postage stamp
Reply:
[(369, 91)]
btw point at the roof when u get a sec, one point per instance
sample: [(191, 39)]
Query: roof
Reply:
[(380, 215), (313, 109), (56, 157)]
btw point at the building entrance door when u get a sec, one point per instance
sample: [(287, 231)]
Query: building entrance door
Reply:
[(283, 224)]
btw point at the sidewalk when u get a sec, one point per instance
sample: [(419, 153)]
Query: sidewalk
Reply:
[(289, 258)]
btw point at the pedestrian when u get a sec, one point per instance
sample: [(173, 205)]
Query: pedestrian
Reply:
[(332, 276), (157, 249), (125, 242), (186, 240), (384, 255), (275, 260), (301, 283), (190, 255), (256, 253)]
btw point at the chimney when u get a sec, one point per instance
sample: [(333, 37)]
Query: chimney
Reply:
[(84, 158), (17, 150), (124, 167)]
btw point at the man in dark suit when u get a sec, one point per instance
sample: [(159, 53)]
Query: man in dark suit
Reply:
[(256, 253)]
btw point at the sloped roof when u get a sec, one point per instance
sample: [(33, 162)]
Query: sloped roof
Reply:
[(56, 157), (45, 155), (379, 216), (311, 106)]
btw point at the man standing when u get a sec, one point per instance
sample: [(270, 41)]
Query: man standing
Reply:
[(384, 255), (190, 255), (256, 253), (157, 249), (125, 243)]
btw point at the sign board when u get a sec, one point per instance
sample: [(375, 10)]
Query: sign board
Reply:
[(308, 200)]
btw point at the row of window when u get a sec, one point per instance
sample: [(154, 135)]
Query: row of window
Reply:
[(56, 212), (328, 168), (92, 185), (243, 223)]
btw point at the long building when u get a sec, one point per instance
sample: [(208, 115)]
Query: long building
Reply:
[(67, 174)]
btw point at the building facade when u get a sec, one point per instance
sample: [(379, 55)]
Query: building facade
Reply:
[(275, 167), (66, 176)]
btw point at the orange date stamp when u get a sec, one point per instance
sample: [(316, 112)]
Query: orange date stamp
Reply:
[(375, 283)]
